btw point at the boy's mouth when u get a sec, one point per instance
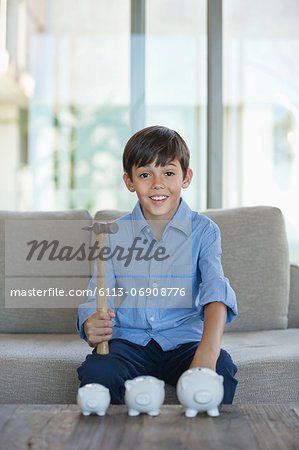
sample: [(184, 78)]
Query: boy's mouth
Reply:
[(159, 198)]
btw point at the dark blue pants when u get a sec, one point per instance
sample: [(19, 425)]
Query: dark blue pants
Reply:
[(127, 361)]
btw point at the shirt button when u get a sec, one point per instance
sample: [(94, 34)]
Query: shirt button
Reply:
[(147, 229), (152, 318), (155, 285)]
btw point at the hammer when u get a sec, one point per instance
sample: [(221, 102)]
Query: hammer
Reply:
[(100, 229)]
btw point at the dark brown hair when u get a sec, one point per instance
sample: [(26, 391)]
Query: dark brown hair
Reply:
[(155, 143)]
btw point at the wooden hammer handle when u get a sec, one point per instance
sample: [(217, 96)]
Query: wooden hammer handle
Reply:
[(102, 347)]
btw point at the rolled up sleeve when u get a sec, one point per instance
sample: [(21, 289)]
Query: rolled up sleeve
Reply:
[(214, 286)]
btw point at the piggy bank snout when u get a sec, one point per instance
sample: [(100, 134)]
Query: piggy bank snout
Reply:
[(92, 403), (202, 396), (143, 399)]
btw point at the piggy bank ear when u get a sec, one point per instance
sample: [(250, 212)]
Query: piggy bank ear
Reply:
[(128, 384), (161, 383), (185, 382)]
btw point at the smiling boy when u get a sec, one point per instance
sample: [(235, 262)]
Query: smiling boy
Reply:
[(161, 336)]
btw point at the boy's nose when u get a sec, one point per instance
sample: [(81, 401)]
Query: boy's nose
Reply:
[(157, 183)]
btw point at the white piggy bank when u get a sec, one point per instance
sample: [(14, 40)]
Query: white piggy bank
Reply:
[(144, 394), (93, 398), (200, 389)]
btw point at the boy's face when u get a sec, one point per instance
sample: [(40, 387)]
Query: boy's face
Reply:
[(158, 188)]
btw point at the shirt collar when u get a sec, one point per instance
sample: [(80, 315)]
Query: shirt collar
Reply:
[(139, 221), (181, 220)]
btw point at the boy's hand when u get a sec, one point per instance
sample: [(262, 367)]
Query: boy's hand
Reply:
[(204, 357), (98, 327)]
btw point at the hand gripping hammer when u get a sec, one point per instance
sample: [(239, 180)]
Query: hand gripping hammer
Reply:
[(101, 229)]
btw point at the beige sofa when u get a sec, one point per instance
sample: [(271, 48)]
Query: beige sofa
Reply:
[(40, 349)]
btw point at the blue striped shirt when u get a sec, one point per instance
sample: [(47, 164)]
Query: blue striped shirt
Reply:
[(163, 285)]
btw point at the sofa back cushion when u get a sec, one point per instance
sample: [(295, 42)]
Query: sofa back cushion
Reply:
[(20, 272), (255, 258), (256, 261)]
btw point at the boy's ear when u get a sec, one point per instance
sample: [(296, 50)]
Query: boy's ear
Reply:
[(128, 182), (187, 179)]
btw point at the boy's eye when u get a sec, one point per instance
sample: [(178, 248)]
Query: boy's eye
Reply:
[(146, 174)]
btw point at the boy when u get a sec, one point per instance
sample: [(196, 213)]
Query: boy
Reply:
[(178, 322)]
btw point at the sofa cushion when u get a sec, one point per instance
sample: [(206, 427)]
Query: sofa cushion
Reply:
[(47, 313), (42, 368), (255, 259), (268, 365)]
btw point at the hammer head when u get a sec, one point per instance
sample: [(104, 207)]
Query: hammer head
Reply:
[(102, 227)]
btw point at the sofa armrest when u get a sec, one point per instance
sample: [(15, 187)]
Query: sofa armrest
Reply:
[(293, 314)]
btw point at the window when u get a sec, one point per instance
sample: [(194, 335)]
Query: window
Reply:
[(261, 108)]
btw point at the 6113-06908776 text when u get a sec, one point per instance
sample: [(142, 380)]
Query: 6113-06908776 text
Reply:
[(163, 292)]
